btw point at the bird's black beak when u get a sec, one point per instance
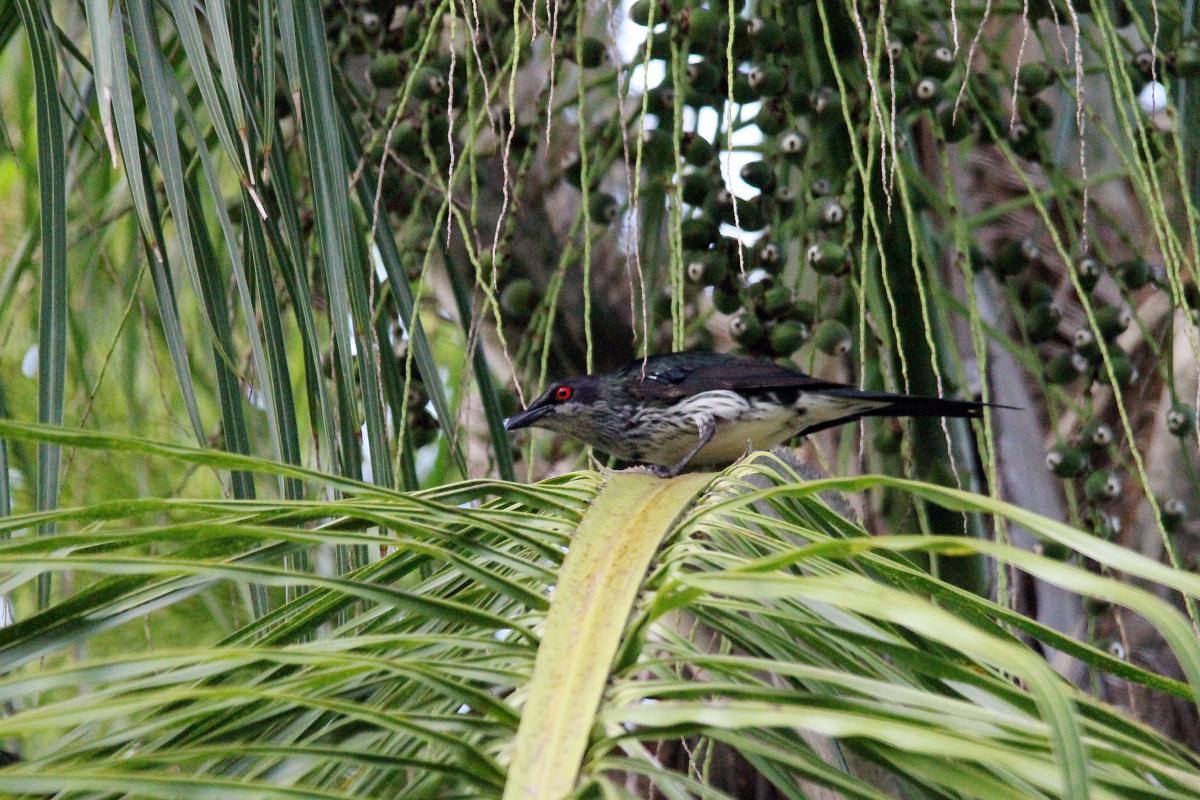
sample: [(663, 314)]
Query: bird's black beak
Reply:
[(526, 418)]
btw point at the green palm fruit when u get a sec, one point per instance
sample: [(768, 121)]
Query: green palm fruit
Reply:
[(938, 62), (829, 213), (698, 233), (746, 329), (708, 269), (792, 145), (1064, 368), (828, 258), (767, 80), (1101, 486), (1089, 270), (1181, 420), (384, 71), (1096, 435), (1041, 321), (1066, 461), (1134, 274), (1034, 76), (1111, 321), (519, 298), (760, 175), (833, 338), (787, 336), (927, 92), (603, 207), (697, 150)]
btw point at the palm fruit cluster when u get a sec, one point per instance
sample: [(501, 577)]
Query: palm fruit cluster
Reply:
[(774, 245), (1081, 356)]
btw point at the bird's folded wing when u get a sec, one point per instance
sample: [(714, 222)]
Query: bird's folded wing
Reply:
[(684, 377)]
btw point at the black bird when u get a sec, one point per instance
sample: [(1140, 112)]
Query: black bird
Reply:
[(710, 409)]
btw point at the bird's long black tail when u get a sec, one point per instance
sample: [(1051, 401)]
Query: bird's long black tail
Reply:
[(902, 405)]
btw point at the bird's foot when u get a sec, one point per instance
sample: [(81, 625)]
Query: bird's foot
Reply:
[(660, 471)]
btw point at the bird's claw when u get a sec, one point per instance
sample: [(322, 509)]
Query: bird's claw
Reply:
[(659, 471)]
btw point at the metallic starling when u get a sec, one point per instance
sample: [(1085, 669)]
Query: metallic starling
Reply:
[(709, 409)]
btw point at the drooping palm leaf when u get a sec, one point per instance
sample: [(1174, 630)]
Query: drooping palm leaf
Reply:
[(769, 626)]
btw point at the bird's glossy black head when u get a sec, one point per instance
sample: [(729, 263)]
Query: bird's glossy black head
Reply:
[(566, 406)]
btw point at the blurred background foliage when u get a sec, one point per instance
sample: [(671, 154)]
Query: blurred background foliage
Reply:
[(353, 236)]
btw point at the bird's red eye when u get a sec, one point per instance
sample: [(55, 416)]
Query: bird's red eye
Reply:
[(563, 394)]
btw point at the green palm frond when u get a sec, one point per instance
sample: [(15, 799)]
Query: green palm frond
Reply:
[(768, 626)]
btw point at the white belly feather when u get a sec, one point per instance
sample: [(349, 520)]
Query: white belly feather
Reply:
[(743, 424)]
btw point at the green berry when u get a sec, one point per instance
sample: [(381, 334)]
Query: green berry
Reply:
[(743, 91), (1134, 274), (767, 80), (1101, 486), (771, 118), (1111, 321), (694, 188), (955, 127), (828, 258), (805, 311), (1123, 369), (697, 150), (777, 301), (1053, 550), (1037, 292), (708, 269), (429, 84), (703, 24), (784, 201), (765, 33), (769, 256), (787, 336), (593, 52), (829, 213), (1089, 270), (821, 187), (703, 76), (746, 329), (726, 299), (792, 146), (749, 216), (407, 139), (1034, 76), (938, 63), (1096, 435), (603, 207), (927, 92), (661, 101), (384, 71), (1041, 321), (1181, 420), (519, 298), (823, 102), (1064, 368), (639, 12), (1066, 461), (1036, 112), (1016, 255), (833, 338), (698, 233), (658, 149), (1173, 513), (760, 175), (1143, 63)]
